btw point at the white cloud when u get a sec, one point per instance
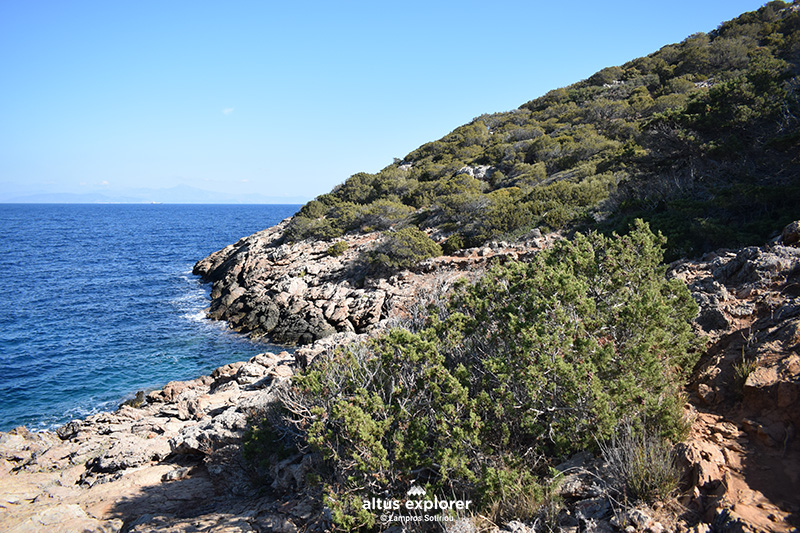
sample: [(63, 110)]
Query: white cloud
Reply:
[(245, 181), (227, 111), (104, 183)]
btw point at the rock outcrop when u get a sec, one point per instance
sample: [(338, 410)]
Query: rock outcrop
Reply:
[(299, 293), (742, 456)]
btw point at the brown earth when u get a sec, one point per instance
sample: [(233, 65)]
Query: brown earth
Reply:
[(745, 395)]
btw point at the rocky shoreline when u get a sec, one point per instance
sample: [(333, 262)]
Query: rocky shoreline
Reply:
[(177, 453), (174, 462), (300, 293)]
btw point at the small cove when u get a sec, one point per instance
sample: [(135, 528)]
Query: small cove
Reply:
[(100, 302)]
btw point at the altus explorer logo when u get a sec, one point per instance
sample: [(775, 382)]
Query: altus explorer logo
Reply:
[(414, 502), (416, 491)]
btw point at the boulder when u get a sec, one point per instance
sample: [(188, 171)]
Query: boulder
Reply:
[(203, 438), (250, 373), (790, 236), (703, 461)]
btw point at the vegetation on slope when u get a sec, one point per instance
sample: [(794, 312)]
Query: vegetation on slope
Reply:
[(588, 344), (699, 138), (530, 364)]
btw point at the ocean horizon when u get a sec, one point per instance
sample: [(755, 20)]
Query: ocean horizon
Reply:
[(100, 302)]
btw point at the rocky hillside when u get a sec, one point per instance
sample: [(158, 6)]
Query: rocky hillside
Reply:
[(746, 389), (699, 138), (173, 460)]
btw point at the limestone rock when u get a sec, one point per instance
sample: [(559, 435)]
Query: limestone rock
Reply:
[(298, 294), (128, 452), (64, 517), (790, 236), (180, 450), (221, 430), (250, 373)]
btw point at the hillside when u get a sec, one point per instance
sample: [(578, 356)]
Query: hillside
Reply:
[(481, 349), (700, 139)]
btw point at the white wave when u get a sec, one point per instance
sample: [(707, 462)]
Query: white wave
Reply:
[(196, 316)]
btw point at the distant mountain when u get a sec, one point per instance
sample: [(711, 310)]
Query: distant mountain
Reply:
[(181, 194), (701, 139)]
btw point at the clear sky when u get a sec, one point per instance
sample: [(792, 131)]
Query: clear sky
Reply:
[(286, 98)]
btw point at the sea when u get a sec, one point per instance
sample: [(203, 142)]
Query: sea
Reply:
[(99, 302)]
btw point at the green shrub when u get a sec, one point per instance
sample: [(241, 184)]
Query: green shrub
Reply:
[(531, 363), (509, 489), (301, 227), (358, 188), (504, 214), (262, 442), (383, 214), (453, 244), (405, 248), (313, 209), (377, 413), (562, 348), (337, 248)]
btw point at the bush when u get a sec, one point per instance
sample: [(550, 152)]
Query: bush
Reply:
[(301, 227), (587, 334), (383, 214), (643, 463), (337, 248), (313, 209), (533, 362), (381, 411), (505, 214), (405, 248), (453, 244)]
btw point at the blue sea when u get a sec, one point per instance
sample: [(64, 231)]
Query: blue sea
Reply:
[(99, 301)]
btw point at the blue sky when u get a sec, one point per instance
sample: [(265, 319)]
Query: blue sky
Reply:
[(286, 99)]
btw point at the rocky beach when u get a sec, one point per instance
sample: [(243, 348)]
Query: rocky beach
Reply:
[(172, 459)]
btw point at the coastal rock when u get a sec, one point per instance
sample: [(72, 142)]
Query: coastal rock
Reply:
[(179, 450), (205, 439), (298, 293), (130, 451), (65, 517)]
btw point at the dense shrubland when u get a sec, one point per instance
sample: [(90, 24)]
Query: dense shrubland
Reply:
[(487, 390), (699, 138)]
